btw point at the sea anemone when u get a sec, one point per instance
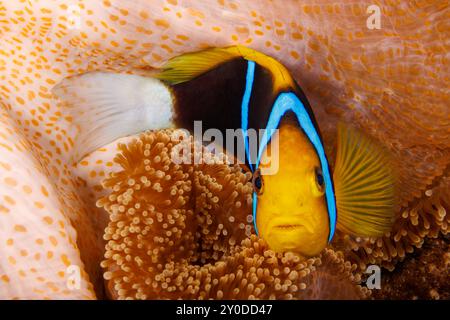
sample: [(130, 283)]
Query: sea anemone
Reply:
[(423, 275), (185, 231), (391, 83)]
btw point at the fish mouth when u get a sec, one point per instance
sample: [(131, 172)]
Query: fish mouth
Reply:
[(288, 224), (287, 227)]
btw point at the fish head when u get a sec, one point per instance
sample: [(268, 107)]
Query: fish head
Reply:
[(291, 207)]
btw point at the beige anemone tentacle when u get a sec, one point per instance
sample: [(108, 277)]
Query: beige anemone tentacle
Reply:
[(184, 230)]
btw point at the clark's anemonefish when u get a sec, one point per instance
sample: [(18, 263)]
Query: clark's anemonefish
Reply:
[(296, 208)]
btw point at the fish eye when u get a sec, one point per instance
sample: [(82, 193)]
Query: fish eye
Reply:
[(320, 182), (258, 182)]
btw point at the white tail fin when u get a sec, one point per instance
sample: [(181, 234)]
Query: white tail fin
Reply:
[(108, 106)]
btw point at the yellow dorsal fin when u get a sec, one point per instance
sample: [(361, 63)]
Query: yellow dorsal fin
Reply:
[(364, 185), (190, 65), (282, 79)]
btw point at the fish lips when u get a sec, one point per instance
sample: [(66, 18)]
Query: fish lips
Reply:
[(288, 225)]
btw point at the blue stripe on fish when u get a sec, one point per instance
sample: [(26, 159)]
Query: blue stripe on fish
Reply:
[(255, 199), (244, 108), (244, 125)]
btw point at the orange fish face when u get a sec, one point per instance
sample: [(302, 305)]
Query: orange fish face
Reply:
[(292, 211)]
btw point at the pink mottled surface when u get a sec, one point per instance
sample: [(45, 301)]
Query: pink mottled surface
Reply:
[(393, 83)]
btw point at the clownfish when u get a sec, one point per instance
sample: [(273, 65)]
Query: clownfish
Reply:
[(297, 208)]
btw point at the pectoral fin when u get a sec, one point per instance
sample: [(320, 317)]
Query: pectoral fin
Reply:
[(364, 185)]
